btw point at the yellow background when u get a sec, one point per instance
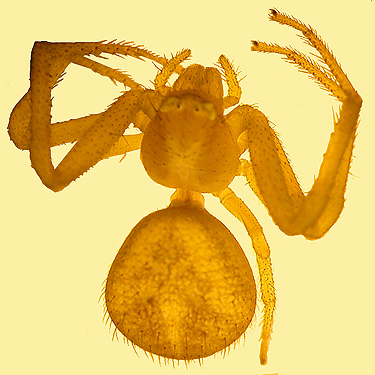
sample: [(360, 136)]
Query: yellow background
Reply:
[(56, 247)]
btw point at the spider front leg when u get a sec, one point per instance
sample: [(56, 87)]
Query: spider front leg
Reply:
[(30, 122), (270, 173)]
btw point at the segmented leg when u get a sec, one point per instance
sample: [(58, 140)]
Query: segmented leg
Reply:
[(294, 212), (96, 135), (170, 67), (238, 208), (230, 76)]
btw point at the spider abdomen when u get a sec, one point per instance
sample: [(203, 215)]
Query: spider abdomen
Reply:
[(181, 286)]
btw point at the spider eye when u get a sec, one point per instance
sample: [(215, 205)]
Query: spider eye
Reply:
[(206, 109), (201, 108), (209, 109), (171, 104)]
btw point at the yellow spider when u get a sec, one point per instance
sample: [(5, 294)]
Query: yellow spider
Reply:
[(181, 286)]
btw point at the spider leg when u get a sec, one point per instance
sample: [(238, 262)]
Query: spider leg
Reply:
[(92, 146), (171, 66), (59, 56), (230, 76), (238, 208), (125, 144), (294, 212), (271, 176), (95, 134), (68, 131), (61, 132)]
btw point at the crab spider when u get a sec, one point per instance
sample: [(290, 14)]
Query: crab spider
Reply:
[(180, 286)]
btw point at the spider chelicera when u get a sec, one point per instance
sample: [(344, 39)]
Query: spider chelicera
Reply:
[(180, 286)]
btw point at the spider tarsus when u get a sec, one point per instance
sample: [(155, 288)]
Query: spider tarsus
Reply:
[(273, 12)]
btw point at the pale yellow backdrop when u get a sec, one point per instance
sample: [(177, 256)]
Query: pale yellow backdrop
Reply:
[(56, 247)]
